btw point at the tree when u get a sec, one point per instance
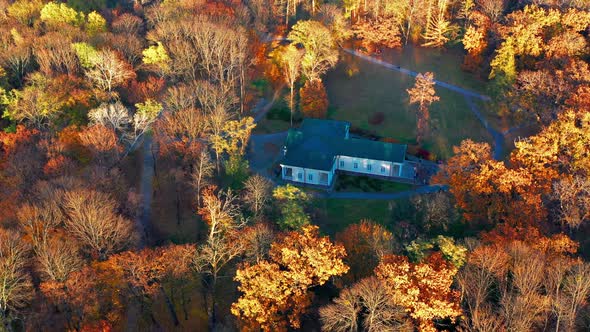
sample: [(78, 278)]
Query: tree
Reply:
[(157, 56), (96, 24), (423, 93), (16, 287), (423, 289), (291, 201), (366, 243), (220, 211), (108, 70), (202, 173), (438, 28), (54, 14), (91, 218), (275, 292), (257, 193), (102, 143), (289, 59), (320, 49), (314, 100), (573, 195), (435, 211), (369, 303), (381, 31)]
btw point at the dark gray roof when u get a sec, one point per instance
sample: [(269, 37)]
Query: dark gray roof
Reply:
[(317, 142)]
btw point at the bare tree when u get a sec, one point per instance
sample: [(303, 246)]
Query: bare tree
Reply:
[(257, 241), (202, 173), (109, 70), (523, 302), (436, 210), (16, 288), (369, 303), (91, 217), (130, 129), (492, 8), (258, 192), (220, 210), (57, 258), (289, 59), (573, 195)]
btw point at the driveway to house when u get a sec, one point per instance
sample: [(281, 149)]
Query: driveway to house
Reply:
[(264, 151)]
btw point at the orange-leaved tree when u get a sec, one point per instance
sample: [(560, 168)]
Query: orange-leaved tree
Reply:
[(423, 94), (275, 292)]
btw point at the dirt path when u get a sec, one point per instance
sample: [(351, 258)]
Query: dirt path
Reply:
[(146, 190)]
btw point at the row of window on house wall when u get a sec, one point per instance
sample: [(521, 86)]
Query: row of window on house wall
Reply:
[(355, 165), (309, 176)]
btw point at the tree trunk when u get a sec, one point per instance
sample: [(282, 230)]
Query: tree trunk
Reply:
[(177, 205), (170, 307), (291, 103)]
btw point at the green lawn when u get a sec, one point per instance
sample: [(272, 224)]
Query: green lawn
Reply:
[(333, 215), (358, 89), (366, 184)]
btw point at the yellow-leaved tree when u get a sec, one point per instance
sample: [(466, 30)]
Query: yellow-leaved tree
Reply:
[(275, 292), (423, 289)]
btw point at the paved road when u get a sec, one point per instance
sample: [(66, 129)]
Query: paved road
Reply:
[(498, 137), (406, 71), (384, 196)]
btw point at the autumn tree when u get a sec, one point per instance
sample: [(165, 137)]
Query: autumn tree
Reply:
[(107, 70), (289, 59), (438, 28), (91, 218), (16, 288), (291, 201), (320, 49), (423, 94), (366, 243), (314, 100), (423, 289), (275, 292), (257, 193), (369, 303), (221, 213), (202, 173), (381, 31)]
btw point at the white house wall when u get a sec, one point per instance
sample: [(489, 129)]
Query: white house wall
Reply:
[(347, 164), (305, 175)]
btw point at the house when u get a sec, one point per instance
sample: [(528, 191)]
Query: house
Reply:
[(319, 149)]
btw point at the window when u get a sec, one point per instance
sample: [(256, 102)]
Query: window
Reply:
[(369, 167), (356, 165), (300, 176), (341, 163), (382, 169), (324, 178), (289, 172), (310, 177)]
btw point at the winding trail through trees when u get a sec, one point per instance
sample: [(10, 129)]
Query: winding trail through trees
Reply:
[(146, 190)]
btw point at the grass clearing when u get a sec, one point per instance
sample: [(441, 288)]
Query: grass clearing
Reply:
[(333, 215), (354, 183), (358, 89)]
